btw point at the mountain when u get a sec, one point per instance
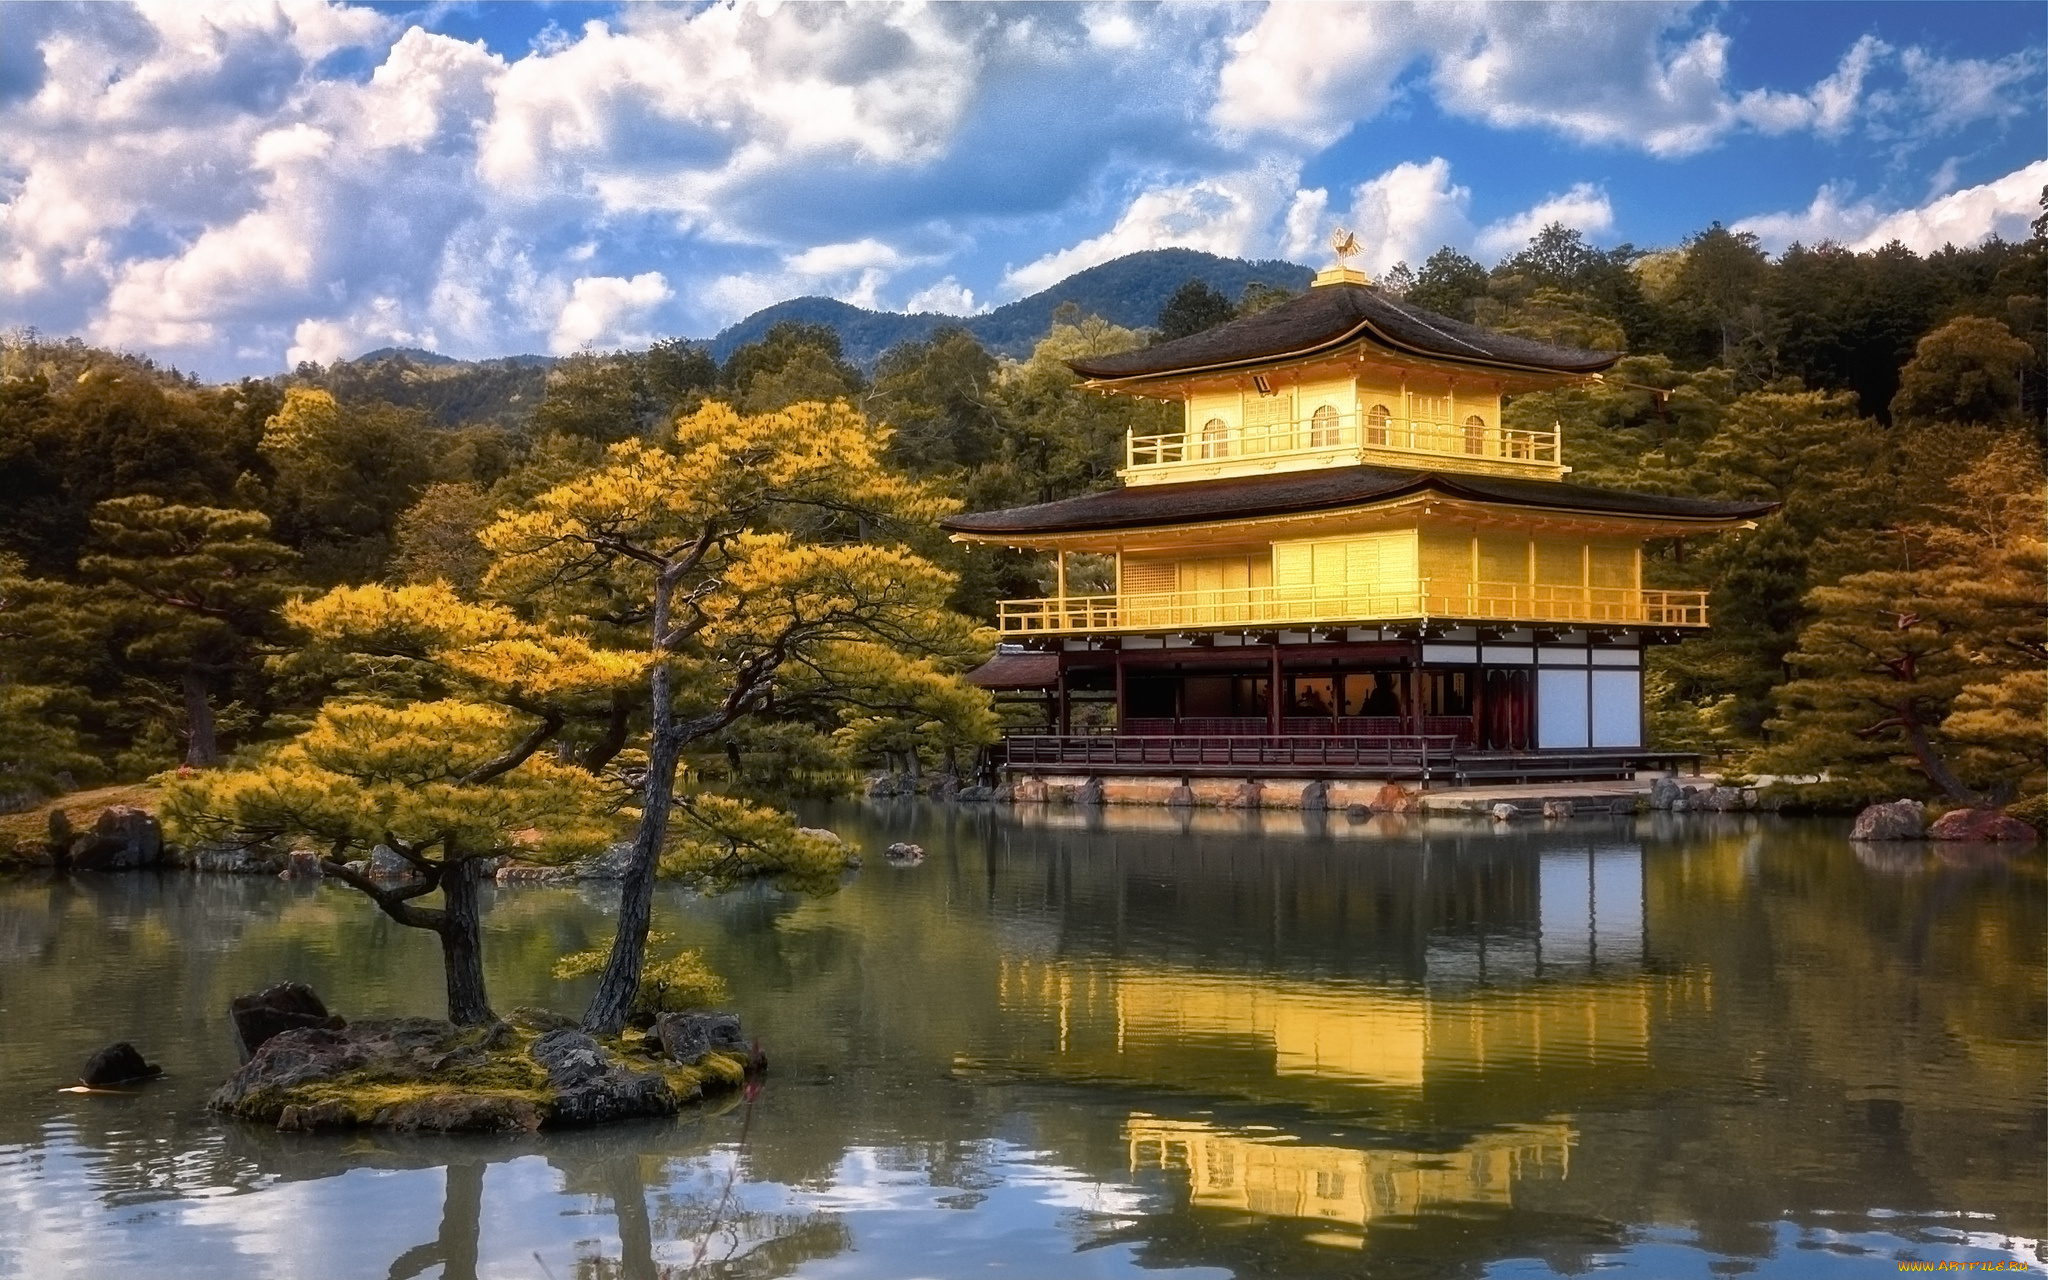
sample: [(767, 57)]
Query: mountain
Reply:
[(502, 392), (1128, 291)]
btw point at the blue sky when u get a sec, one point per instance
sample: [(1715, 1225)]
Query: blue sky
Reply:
[(235, 187)]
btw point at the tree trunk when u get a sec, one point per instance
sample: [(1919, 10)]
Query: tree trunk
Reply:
[(613, 1002), (462, 952), (201, 749), (1934, 766)]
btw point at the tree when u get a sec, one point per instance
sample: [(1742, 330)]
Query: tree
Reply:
[(1940, 661), (1192, 308), (1967, 371), (604, 398), (436, 537), (429, 744), (792, 363), (460, 780), (741, 546), (343, 475), (1447, 284), (199, 587), (937, 396)]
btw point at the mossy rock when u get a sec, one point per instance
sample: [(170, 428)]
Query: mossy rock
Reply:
[(422, 1075)]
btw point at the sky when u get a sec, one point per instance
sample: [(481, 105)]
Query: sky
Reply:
[(236, 187)]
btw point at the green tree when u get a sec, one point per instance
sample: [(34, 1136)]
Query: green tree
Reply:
[(938, 396), (742, 546), (437, 537), (342, 476), (1447, 284), (198, 587), (1192, 308), (603, 398), (1967, 371), (793, 362)]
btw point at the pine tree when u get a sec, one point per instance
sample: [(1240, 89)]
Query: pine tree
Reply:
[(195, 589)]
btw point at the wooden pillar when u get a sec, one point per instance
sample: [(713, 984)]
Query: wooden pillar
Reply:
[(1415, 718), (1273, 691), (1122, 711), (1479, 706), (1066, 725)]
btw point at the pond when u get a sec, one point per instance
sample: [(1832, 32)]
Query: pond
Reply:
[(1075, 1044)]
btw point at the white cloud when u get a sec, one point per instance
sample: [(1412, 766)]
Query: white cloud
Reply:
[(1406, 213), (1308, 71), (2005, 207), (1943, 96), (1585, 208), (1304, 226), (1229, 214), (601, 310), (836, 259), (947, 297)]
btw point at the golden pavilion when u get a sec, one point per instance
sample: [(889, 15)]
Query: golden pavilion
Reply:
[(1344, 563)]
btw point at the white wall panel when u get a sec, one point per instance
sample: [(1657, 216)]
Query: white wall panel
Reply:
[(1561, 707), (1617, 708)]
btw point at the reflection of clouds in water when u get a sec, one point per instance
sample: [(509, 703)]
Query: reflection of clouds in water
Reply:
[(352, 1225)]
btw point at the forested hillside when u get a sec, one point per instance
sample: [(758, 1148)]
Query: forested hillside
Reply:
[(1885, 625)]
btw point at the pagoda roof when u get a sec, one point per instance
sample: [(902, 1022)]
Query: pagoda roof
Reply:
[(1331, 316), (1327, 489)]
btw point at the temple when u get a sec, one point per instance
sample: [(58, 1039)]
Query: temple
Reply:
[(1344, 564)]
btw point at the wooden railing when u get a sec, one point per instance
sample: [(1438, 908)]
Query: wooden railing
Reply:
[(1345, 437), (1390, 751), (1296, 606)]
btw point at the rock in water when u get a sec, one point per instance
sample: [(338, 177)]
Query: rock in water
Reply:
[(1558, 809), (905, 855), (287, 1006), (591, 1087), (1981, 825), (1503, 812), (1899, 820), (118, 1063), (687, 1037), (1665, 793)]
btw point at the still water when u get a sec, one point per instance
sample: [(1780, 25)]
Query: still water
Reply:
[(1208, 1045)]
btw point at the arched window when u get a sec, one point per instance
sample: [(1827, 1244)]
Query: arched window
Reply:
[(1475, 434), (1215, 438), (1377, 420), (1323, 430)]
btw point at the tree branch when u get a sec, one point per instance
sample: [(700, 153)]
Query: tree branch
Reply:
[(549, 726), (391, 902)]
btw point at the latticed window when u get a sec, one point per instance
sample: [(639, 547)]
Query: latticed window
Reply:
[(1475, 434), (1323, 429), (1215, 438), (1377, 421)]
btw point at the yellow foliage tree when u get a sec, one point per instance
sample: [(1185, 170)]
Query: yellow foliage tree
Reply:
[(739, 549)]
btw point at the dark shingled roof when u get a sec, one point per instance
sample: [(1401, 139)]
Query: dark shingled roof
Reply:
[(1329, 316), (1017, 671), (1296, 492)]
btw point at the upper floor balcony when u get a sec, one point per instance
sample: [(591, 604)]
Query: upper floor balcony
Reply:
[(1329, 438), (1416, 601)]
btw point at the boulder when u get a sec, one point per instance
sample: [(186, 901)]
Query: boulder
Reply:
[(821, 833), (1357, 813), (945, 787), (123, 839), (904, 855), (591, 1087), (387, 864), (1316, 795), (1249, 794), (118, 1063), (975, 793), (301, 864), (1089, 792), (1005, 793), (1029, 791), (1981, 825), (1665, 793), (288, 1006), (1898, 820), (612, 864), (1558, 809), (687, 1037), (1723, 799), (1502, 812), (232, 859), (1181, 797), (1395, 798)]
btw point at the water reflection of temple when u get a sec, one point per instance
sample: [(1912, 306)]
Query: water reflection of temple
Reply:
[(1259, 1173)]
